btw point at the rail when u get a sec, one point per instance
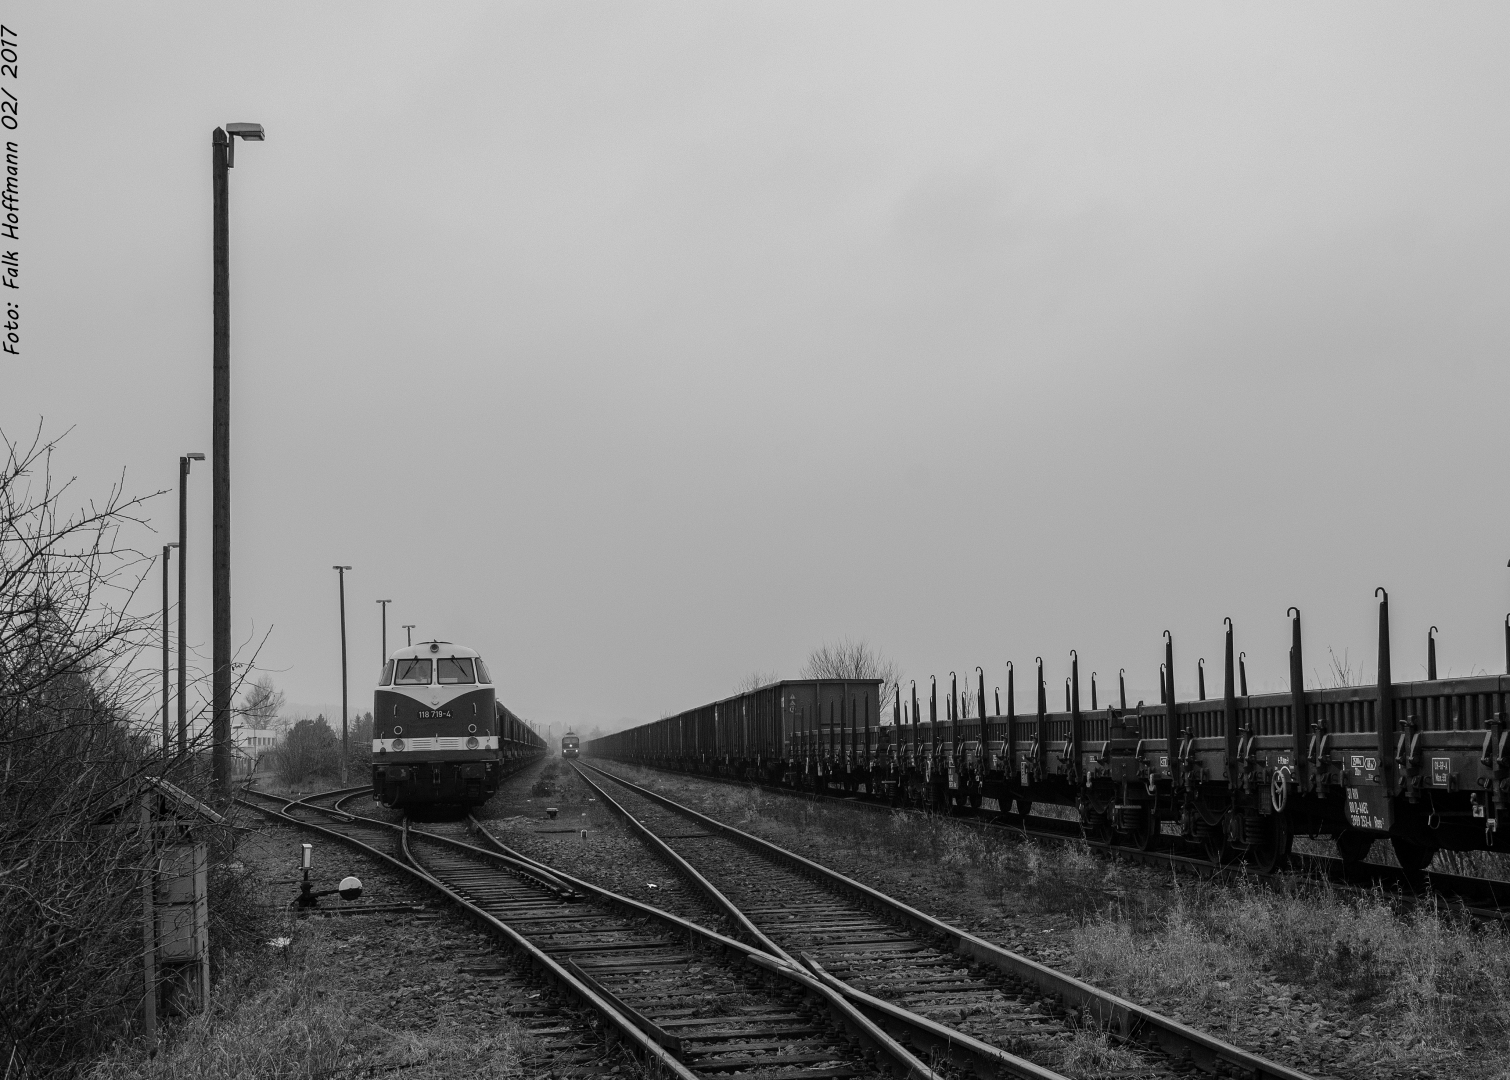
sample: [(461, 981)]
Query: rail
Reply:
[(902, 1061), (1126, 1017)]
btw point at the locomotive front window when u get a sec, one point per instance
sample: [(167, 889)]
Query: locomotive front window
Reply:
[(387, 679), (412, 673), (454, 669), (482, 672)]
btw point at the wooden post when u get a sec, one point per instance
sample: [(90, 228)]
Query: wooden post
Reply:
[(149, 937)]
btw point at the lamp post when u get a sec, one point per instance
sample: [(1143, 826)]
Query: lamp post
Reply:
[(385, 604), (167, 551), (222, 160), (183, 617), (408, 634), (341, 573)]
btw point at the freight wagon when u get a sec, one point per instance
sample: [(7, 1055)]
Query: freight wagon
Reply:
[(1425, 765)]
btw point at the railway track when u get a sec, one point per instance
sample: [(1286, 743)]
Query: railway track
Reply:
[(688, 1001), (890, 957), (566, 1041), (1480, 898)]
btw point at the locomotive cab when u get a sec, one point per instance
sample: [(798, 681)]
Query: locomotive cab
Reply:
[(571, 746), (434, 728)]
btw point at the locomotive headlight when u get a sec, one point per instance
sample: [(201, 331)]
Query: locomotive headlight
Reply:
[(398, 744), (472, 743)]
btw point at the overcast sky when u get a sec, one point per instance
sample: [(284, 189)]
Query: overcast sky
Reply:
[(643, 346)]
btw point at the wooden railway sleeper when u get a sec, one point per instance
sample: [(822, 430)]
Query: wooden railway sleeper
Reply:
[(963, 1049), (902, 1059), (985, 1059), (663, 1038), (1125, 1017), (537, 959)]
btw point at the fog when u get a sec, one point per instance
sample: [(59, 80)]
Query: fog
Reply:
[(644, 346)]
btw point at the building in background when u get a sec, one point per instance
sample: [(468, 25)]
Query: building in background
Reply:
[(249, 744)]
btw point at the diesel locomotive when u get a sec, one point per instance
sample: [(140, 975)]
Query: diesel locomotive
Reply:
[(439, 734), (571, 745), (1422, 765)]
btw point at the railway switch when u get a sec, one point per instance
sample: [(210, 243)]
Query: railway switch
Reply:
[(350, 887)]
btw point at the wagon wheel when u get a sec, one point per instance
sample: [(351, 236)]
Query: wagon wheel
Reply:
[(1095, 827), (1412, 854), (1146, 831), (1353, 845), (1273, 852), (1214, 843)]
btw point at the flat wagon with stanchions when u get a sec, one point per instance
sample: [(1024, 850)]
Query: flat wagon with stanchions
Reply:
[(1424, 765)]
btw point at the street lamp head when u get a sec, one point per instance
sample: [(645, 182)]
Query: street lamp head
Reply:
[(173, 544), (194, 457), (249, 132), (340, 568)]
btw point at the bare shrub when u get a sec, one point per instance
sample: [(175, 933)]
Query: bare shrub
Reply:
[(359, 748), (71, 762), (755, 680), (262, 703), (309, 751)]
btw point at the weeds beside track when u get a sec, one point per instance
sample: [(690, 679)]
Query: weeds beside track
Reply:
[(894, 957), (1340, 981), (647, 975)]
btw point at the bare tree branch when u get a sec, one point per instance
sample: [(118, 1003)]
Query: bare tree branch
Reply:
[(849, 659)]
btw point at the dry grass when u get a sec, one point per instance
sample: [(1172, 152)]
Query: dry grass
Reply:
[(1050, 878), (1092, 1052), (284, 1015), (1322, 979), (1409, 989)]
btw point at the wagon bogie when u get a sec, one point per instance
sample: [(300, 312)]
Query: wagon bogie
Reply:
[(1424, 765)]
